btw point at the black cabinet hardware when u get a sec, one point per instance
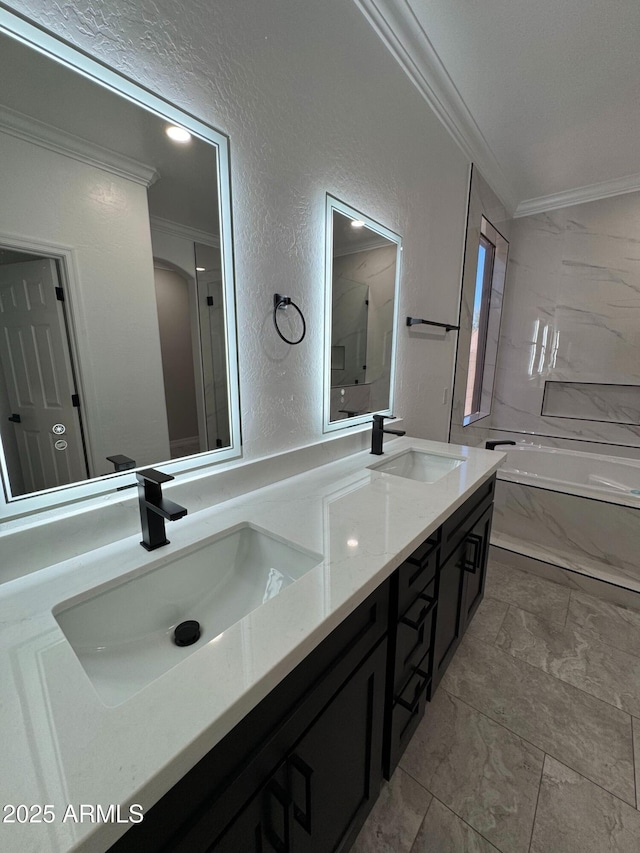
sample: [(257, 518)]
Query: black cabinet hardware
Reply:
[(15, 419), (424, 612), (471, 565), (418, 690), (303, 817), (276, 792)]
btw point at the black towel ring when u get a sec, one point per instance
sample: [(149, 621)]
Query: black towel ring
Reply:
[(282, 302)]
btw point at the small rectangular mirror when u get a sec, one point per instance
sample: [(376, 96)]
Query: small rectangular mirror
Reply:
[(361, 307), (117, 323)]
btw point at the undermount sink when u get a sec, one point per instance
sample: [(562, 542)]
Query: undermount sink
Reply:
[(418, 465), (123, 635)]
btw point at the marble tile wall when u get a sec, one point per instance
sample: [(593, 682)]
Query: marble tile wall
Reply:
[(590, 535), (593, 401), (571, 313)]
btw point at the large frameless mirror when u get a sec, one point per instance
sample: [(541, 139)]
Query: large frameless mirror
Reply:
[(361, 307), (117, 324)]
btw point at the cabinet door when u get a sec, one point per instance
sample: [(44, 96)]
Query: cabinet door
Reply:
[(263, 826), (449, 624), (335, 770), (475, 566)]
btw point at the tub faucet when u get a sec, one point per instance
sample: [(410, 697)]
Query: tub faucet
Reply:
[(378, 432), (154, 509), (491, 445)]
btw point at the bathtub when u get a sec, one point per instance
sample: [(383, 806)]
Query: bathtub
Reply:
[(577, 511)]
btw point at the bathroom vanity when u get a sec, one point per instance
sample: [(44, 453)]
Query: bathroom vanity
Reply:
[(275, 734), (303, 769)]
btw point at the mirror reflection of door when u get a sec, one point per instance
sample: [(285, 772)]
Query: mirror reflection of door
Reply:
[(177, 322), (191, 321), (349, 328), (212, 344), (39, 424)]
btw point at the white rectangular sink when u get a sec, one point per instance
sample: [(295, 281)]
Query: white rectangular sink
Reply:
[(418, 465), (123, 635)]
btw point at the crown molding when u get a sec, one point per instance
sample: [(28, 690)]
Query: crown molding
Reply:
[(380, 243), (185, 232), (580, 195), (52, 138), (401, 32)]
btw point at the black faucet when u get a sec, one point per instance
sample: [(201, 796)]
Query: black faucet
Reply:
[(378, 431), (491, 445), (154, 509)]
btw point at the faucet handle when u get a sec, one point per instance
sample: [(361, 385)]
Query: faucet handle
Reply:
[(150, 475)]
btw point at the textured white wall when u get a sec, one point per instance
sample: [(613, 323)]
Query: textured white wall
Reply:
[(312, 103)]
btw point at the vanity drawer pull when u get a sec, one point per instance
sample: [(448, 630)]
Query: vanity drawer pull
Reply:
[(424, 612), (471, 565), (276, 791), (302, 817), (414, 577), (417, 693)]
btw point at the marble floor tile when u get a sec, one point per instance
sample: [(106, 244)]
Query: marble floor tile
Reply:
[(442, 831), (573, 656), (485, 774), (395, 819), (617, 626), (487, 619), (576, 816), (578, 729), (534, 594)]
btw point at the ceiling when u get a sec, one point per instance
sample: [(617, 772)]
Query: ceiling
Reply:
[(544, 96)]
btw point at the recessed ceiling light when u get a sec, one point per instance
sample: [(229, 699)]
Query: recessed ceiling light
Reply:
[(178, 134), (357, 223), (200, 269)]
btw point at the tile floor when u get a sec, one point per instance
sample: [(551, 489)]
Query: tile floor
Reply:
[(532, 741)]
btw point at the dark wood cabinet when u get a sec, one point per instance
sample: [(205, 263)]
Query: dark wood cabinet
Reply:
[(412, 613), (317, 798), (301, 771), (449, 622), (475, 566), (461, 575), (437, 589)]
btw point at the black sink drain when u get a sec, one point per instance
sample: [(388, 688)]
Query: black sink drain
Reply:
[(187, 633)]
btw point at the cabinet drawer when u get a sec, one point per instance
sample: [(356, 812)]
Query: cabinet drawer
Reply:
[(462, 520), (408, 710), (417, 571), (414, 635)]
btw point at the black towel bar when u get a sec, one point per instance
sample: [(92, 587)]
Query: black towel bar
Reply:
[(414, 321)]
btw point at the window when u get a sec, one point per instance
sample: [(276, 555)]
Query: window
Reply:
[(487, 306)]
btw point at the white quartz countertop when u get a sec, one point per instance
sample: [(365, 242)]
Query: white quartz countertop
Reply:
[(62, 746)]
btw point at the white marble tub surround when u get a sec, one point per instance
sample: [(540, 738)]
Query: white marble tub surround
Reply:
[(587, 474), (62, 745), (575, 510)]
